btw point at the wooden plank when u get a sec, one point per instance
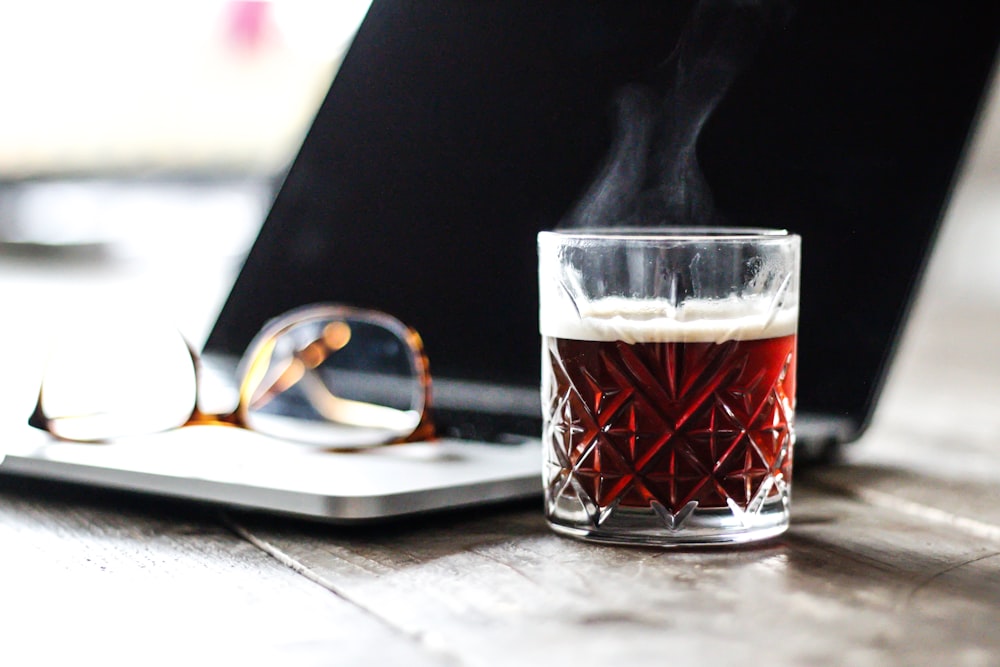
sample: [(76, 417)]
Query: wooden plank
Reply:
[(104, 578), (849, 583), (966, 505)]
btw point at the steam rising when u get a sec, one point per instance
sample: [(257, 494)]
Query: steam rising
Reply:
[(651, 176)]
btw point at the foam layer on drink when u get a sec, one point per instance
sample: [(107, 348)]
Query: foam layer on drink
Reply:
[(659, 321)]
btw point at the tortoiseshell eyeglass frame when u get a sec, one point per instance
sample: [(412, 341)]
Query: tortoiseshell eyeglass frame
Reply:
[(318, 348)]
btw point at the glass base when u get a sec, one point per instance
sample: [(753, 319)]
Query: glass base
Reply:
[(655, 527)]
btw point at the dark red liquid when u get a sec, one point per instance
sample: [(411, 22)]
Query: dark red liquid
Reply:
[(672, 422)]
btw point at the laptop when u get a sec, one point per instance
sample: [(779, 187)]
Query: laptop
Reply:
[(453, 132)]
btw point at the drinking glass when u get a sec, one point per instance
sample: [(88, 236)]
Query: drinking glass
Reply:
[(668, 382)]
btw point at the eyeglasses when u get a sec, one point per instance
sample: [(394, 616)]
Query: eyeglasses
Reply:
[(324, 374)]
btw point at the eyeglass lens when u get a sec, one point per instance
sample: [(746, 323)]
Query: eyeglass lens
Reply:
[(336, 381)]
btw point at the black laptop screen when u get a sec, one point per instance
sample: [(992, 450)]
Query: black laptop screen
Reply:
[(455, 130)]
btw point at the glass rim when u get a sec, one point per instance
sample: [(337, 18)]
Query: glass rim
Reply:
[(669, 233)]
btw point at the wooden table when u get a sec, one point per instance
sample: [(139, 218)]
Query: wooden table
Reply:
[(893, 557)]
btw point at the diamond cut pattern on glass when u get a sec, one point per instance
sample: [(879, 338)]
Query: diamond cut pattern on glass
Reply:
[(670, 426)]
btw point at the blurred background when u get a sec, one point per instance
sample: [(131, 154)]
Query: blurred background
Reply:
[(140, 146), (141, 143), (111, 87)]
